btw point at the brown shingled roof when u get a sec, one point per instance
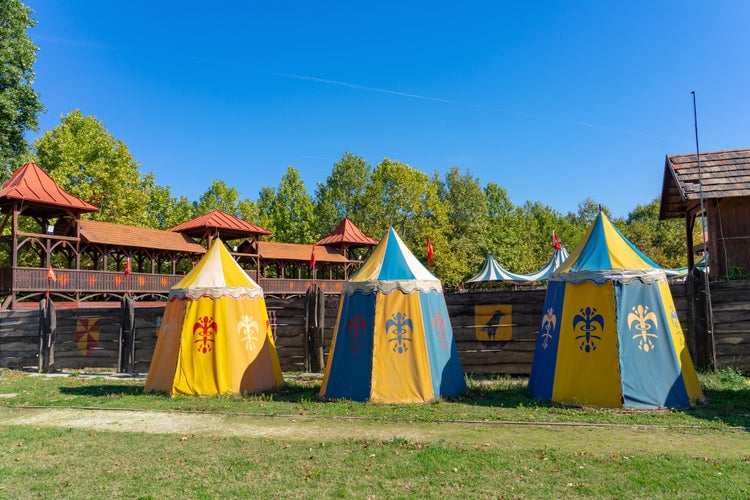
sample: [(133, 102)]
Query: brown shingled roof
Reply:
[(107, 233), (723, 174), (228, 226), (32, 184), (274, 250), (348, 234)]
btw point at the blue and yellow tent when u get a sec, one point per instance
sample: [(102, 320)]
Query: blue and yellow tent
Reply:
[(215, 336), (393, 341), (609, 334)]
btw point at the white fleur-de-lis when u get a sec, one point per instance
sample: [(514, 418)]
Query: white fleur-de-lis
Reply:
[(247, 329)]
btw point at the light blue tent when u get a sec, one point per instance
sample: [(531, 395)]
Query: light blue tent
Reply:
[(492, 271)]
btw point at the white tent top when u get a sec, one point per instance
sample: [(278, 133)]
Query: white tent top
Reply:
[(216, 275)]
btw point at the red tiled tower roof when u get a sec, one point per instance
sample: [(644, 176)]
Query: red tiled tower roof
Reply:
[(32, 184), (228, 226), (348, 234)]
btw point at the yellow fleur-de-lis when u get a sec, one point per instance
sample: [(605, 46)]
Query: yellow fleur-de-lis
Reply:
[(549, 322), (644, 320)]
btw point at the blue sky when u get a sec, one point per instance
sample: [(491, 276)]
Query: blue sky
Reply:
[(554, 101)]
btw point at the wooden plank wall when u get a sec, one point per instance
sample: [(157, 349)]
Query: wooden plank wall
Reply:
[(511, 357), (19, 331), (19, 339), (731, 307)]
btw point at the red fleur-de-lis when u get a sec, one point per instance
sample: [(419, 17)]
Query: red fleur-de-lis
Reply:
[(206, 328), (355, 328), (438, 322)]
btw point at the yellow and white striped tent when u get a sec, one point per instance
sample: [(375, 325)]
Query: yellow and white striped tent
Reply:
[(215, 336)]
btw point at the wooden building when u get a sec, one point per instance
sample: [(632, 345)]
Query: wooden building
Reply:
[(720, 179), (49, 249)]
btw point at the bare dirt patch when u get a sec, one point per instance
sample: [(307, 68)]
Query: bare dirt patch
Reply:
[(592, 439)]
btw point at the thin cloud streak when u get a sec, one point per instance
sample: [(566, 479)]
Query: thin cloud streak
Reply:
[(380, 90)]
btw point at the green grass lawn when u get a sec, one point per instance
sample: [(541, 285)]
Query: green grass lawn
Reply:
[(496, 441)]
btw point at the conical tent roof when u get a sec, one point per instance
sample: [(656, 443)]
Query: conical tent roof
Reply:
[(610, 334), (393, 341), (604, 253), (215, 337), (217, 274), (392, 266)]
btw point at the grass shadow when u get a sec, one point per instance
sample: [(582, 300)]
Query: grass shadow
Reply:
[(102, 390), (731, 407)]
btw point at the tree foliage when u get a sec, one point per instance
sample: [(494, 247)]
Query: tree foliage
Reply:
[(219, 197), (164, 210), (661, 241), (468, 212), (291, 213), (19, 102), (463, 219), (88, 162), (343, 193), (406, 199)]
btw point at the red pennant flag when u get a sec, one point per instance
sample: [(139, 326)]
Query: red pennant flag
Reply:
[(51, 274), (430, 252), (127, 267), (312, 258), (555, 241)]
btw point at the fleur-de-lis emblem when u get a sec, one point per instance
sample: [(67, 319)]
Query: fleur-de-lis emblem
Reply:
[(247, 329), (644, 320), (206, 333), (549, 322), (588, 321), (438, 323), (401, 327), (355, 329)]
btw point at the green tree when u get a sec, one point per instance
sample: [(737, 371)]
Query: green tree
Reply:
[(264, 202), (291, 210), (662, 241), (219, 197), (88, 162), (343, 194), (406, 199), (19, 103), (164, 210), (507, 231), (468, 214)]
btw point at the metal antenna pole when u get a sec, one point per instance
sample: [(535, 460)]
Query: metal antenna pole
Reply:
[(704, 231)]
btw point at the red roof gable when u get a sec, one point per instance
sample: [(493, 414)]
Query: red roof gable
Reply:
[(346, 233), (229, 226), (32, 184)]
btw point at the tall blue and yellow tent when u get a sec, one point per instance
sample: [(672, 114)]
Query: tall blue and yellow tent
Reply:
[(609, 334), (393, 341), (215, 336)]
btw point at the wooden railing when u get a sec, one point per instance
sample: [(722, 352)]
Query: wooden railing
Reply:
[(31, 280)]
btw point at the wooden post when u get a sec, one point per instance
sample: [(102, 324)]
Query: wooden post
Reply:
[(320, 304), (314, 326), (698, 344), (126, 345), (47, 334)]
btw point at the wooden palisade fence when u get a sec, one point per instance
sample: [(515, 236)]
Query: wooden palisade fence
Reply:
[(97, 338)]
